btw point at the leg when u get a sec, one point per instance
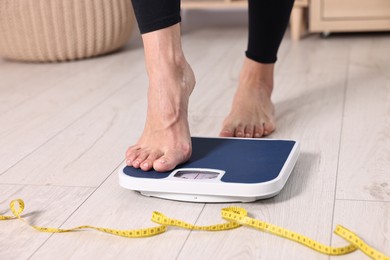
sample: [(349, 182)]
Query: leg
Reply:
[(252, 113), (165, 141)]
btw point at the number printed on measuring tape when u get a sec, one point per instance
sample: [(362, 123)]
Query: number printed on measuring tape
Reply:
[(235, 217)]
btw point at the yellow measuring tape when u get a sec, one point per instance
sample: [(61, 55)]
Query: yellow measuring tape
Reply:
[(235, 216)]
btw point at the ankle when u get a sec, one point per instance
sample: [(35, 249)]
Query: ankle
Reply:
[(169, 66), (163, 50), (257, 75)]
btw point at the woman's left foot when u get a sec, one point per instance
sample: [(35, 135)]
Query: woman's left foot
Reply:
[(252, 113)]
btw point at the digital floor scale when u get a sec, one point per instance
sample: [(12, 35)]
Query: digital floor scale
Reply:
[(220, 170)]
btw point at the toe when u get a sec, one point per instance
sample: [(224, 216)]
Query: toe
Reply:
[(227, 129), (258, 132), (169, 161), (131, 155), (148, 163), (249, 129), (164, 164), (226, 132), (269, 127), (239, 132), (141, 158), (131, 150)]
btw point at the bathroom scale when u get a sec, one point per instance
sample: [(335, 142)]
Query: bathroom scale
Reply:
[(220, 170)]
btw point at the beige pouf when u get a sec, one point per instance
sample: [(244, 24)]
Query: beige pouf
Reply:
[(60, 30)]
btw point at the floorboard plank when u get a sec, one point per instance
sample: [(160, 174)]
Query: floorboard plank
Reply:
[(365, 144)]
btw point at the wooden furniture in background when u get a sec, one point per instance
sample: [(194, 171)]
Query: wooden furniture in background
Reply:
[(322, 16), (298, 19), (200, 4), (349, 15)]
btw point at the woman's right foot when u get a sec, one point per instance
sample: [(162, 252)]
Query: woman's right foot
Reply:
[(166, 140)]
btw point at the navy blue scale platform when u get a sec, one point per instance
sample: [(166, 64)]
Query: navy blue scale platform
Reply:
[(220, 170)]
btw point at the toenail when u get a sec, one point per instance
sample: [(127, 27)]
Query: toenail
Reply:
[(248, 135), (128, 162), (146, 165), (257, 135), (163, 161)]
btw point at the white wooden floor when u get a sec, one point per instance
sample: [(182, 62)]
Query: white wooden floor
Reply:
[(64, 129)]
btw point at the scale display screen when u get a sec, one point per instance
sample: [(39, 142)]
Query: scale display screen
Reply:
[(196, 175)]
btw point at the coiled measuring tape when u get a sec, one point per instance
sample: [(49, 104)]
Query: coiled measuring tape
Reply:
[(235, 216)]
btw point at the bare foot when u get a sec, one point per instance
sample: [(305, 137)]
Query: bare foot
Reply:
[(252, 113), (166, 140)]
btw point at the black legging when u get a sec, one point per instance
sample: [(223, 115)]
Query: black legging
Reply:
[(268, 20)]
